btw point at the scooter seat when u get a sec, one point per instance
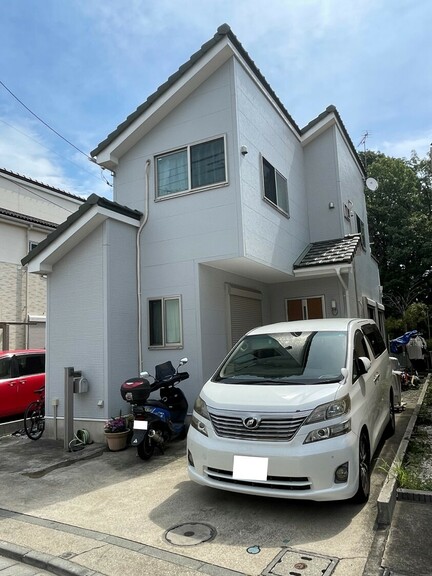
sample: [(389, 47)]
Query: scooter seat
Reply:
[(156, 403)]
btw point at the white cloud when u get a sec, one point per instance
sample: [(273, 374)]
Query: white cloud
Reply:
[(421, 144), (23, 150)]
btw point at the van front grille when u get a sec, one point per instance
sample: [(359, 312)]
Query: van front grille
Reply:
[(272, 482), (266, 427)]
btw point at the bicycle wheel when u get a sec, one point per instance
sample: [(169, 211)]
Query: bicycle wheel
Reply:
[(34, 420)]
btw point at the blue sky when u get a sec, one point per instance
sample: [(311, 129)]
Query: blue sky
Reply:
[(82, 66)]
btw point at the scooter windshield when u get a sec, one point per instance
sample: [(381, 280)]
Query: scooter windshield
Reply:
[(287, 357)]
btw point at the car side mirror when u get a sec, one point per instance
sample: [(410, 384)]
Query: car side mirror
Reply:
[(364, 364)]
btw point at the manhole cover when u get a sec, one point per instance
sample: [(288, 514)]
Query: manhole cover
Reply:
[(190, 534), (292, 562)]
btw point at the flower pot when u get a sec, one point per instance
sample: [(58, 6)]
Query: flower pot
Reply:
[(117, 440)]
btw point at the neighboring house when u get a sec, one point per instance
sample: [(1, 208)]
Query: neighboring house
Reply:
[(29, 211), (227, 213)]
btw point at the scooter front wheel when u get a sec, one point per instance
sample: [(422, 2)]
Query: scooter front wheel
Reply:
[(146, 448)]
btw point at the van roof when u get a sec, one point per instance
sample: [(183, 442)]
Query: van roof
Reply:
[(322, 324)]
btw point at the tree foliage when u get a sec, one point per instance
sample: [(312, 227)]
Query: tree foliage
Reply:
[(400, 228)]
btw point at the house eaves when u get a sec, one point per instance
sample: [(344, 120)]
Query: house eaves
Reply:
[(323, 122), (24, 219), (328, 257), (70, 233), (188, 77), (23, 180)]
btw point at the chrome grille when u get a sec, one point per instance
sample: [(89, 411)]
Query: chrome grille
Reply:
[(271, 427), (272, 482)]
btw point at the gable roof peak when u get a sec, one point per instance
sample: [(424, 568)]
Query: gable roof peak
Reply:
[(223, 34)]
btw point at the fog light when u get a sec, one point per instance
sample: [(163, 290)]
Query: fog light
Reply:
[(341, 474), (190, 459), (198, 425)]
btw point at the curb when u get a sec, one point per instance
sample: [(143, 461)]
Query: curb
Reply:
[(53, 564), (389, 492)]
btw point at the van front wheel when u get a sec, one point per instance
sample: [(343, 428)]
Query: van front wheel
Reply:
[(391, 425), (363, 490)]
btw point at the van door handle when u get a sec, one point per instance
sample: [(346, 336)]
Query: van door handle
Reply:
[(376, 378)]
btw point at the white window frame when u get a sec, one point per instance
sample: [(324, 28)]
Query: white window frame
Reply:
[(189, 188), (165, 344), (266, 198)]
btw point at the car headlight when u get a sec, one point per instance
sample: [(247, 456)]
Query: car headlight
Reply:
[(200, 408), (330, 410), (328, 432)]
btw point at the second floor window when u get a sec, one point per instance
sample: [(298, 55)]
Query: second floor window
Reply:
[(191, 168), (361, 231), (275, 186)]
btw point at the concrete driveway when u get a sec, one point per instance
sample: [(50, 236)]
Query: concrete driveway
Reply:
[(98, 508)]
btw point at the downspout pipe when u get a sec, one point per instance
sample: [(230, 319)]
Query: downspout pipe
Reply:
[(138, 263), (345, 287)]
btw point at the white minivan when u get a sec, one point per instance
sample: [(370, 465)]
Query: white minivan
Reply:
[(296, 410)]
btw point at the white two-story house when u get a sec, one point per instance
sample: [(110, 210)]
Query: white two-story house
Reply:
[(226, 215)]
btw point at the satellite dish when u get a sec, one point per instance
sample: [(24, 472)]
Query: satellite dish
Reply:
[(372, 184)]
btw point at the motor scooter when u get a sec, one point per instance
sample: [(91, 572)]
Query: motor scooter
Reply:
[(157, 422)]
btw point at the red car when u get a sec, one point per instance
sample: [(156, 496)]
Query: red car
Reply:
[(21, 373)]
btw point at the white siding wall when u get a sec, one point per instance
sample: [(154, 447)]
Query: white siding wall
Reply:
[(269, 237), (92, 324), (183, 231), (322, 183), (352, 188), (76, 325)]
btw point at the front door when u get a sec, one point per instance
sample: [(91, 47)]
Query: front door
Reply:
[(305, 308)]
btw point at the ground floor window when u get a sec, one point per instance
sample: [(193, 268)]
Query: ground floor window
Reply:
[(305, 308), (165, 329)]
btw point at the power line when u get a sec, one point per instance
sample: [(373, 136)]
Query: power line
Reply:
[(46, 147), (43, 122), (53, 130)]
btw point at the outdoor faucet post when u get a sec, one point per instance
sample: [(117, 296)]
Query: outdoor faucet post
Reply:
[(68, 408)]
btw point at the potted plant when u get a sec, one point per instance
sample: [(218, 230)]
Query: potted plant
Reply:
[(116, 433)]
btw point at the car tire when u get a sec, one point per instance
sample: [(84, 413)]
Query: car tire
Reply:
[(364, 472), (391, 425)]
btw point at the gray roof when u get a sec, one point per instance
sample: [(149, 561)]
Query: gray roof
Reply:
[(25, 218), (329, 252), (91, 201), (223, 31), (6, 173)]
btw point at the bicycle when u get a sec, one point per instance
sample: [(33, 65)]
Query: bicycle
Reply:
[(34, 416)]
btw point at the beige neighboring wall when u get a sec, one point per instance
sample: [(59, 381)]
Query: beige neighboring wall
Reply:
[(29, 211)]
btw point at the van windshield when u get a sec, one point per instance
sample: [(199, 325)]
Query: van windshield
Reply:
[(287, 357)]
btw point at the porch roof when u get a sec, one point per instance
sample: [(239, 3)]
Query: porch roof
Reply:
[(91, 214), (329, 252)]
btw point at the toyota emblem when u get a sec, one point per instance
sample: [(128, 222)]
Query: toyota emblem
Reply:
[(251, 423)]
